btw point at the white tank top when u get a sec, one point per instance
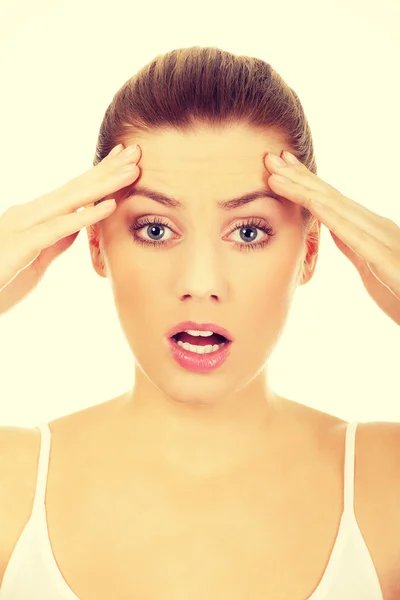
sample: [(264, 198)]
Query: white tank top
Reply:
[(32, 572)]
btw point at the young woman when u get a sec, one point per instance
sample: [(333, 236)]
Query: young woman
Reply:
[(201, 481)]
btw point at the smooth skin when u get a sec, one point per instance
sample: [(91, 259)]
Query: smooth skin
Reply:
[(186, 433), (196, 272), (370, 241), (33, 234)]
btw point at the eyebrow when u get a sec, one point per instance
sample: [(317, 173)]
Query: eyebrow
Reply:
[(140, 190)]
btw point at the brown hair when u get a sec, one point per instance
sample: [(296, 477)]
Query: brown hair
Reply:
[(210, 87)]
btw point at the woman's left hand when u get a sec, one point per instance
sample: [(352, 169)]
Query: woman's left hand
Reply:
[(371, 242)]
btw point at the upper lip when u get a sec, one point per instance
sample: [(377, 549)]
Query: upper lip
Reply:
[(201, 327)]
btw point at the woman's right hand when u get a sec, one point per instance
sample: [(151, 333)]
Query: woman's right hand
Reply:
[(33, 234)]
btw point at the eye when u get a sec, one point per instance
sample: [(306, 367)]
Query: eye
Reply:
[(156, 228), (250, 226)]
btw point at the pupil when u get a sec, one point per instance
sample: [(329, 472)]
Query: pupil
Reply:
[(151, 229), (252, 236), (253, 229)]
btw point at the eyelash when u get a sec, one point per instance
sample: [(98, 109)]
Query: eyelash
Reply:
[(253, 222)]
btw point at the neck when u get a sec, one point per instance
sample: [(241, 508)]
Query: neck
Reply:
[(201, 435)]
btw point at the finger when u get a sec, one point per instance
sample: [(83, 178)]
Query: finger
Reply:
[(116, 150), (367, 244), (328, 195), (46, 234), (354, 258), (370, 256), (108, 176), (348, 219)]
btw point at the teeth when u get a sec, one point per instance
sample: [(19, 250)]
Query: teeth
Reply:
[(200, 349), (196, 332)]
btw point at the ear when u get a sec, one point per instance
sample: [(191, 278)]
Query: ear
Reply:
[(312, 242), (96, 252)]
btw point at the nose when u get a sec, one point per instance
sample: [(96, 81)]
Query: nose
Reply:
[(201, 273)]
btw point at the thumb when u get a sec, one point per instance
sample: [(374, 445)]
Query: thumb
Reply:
[(353, 257), (48, 255)]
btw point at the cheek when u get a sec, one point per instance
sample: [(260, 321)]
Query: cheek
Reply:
[(135, 285), (267, 285), (270, 290), (268, 273), (137, 300), (274, 267), (265, 310)]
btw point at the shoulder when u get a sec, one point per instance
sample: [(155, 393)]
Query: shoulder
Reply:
[(377, 476), (19, 447), (378, 453), (377, 463), (19, 455), (376, 492)]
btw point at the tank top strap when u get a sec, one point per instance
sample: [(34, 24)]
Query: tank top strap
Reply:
[(349, 463), (43, 467)]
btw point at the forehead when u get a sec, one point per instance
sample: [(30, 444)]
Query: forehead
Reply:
[(207, 164), (228, 148)]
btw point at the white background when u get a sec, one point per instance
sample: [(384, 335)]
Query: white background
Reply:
[(62, 348)]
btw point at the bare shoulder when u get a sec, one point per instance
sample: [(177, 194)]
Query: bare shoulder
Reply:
[(19, 462), (377, 475), (19, 455), (384, 436), (377, 485), (378, 460)]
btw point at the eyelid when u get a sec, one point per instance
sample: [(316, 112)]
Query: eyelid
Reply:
[(138, 224), (245, 221), (267, 220)]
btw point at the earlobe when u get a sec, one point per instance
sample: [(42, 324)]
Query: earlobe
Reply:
[(93, 233)]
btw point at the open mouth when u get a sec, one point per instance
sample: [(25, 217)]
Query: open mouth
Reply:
[(199, 340), (201, 352)]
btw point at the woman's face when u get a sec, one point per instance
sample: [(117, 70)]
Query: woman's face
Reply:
[(200, 262)]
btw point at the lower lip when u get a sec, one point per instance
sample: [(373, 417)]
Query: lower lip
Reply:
[(200, 363)]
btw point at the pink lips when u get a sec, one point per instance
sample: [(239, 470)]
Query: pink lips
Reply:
[(200, 363), (201, 327)]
